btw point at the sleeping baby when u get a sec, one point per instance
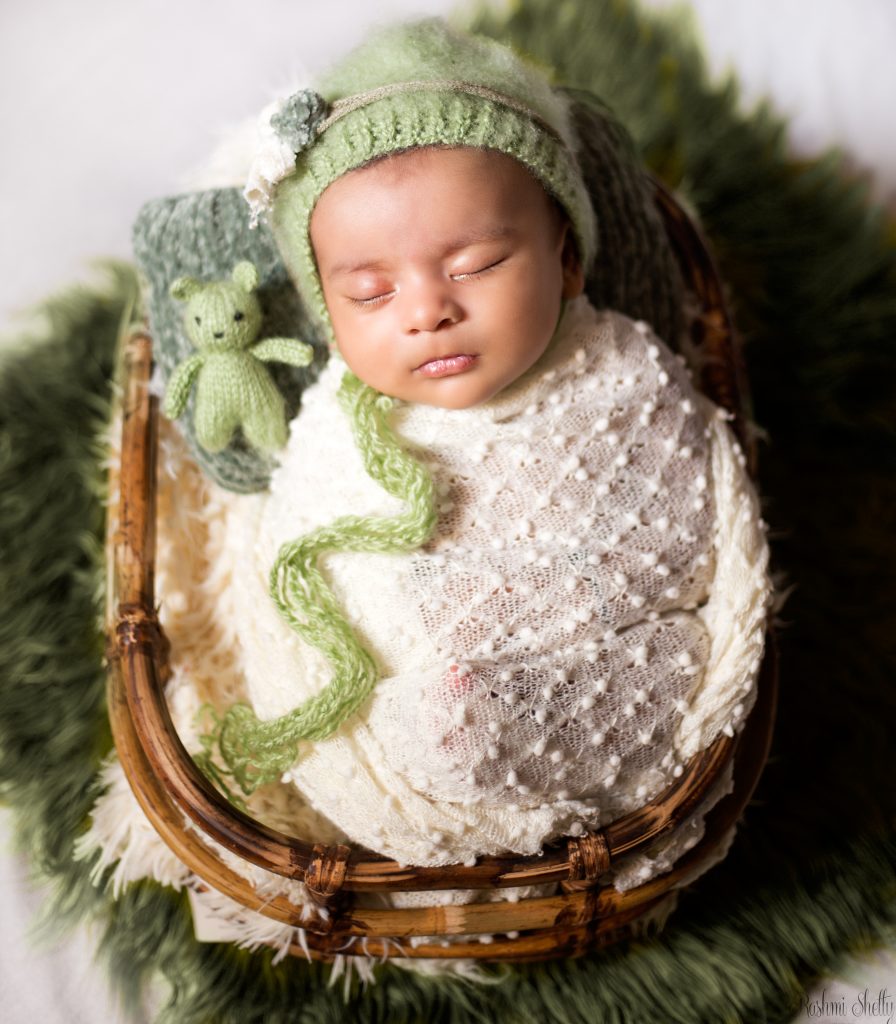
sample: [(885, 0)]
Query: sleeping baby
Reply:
[(480, 605)]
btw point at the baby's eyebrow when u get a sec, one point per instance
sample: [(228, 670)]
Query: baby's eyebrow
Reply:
[(498, 233)]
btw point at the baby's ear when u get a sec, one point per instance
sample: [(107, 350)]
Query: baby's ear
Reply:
[(573, 274), (184, 288), (245, 275)]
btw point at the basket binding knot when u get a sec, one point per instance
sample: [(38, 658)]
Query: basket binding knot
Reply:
[(326, 873), (138, 628), (589, 858)]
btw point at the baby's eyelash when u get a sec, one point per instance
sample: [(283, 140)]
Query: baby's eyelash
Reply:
[(374, 300), (477, 273)]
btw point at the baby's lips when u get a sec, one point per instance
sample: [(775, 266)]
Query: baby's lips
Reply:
[(446, 366)]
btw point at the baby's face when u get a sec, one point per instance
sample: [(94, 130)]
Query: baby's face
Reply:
[(443, 272)]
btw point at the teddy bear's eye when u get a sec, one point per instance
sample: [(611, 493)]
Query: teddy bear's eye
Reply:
[(237, 316), (197, 319)]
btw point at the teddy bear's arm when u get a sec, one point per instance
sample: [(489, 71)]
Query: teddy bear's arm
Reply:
[(283, 350), (180, 385)]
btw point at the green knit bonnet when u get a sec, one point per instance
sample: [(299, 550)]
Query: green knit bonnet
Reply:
[(411, 85)]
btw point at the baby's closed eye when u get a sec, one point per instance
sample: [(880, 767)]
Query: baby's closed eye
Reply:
[(467, 275), (370, 300)]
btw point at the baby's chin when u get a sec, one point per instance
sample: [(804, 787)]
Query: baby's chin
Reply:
[(443, 394), (460, 391), (455, 403), (465, 390), (440, 394)]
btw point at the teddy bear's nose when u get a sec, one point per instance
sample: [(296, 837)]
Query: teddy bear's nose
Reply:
[(219, 334)]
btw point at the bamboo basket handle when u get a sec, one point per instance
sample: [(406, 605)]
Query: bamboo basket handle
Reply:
[(564, 923)]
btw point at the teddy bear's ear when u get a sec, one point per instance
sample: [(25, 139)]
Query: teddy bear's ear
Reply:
[(245, 275), (184, 288)]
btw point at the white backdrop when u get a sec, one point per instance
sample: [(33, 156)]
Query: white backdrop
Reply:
[(105, 104)]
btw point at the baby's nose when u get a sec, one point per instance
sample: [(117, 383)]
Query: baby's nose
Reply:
[(430, 309)]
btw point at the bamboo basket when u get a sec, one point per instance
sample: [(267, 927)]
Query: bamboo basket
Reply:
[(583, 915)]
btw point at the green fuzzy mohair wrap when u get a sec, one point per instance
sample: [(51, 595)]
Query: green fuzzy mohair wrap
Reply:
[(257, 752), (429, 54), (811, 874)]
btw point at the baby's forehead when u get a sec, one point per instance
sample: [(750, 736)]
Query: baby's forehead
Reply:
[(490, 191), (460, 165), (402, 162)]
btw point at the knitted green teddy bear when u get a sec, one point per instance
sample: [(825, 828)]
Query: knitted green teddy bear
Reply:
[(233, 387)]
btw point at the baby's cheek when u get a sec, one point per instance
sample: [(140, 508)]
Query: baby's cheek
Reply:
[(349, 345)]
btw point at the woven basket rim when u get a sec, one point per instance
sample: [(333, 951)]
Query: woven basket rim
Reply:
[(167, 783)]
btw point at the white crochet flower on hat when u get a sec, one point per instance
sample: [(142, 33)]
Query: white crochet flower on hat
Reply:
[(285, 128)]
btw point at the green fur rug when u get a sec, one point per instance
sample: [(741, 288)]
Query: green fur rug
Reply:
[(812, 269)]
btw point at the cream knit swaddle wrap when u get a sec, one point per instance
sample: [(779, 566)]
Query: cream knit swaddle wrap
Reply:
[(545, 660)]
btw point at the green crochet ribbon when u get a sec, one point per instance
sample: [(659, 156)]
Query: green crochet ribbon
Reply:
[(257, 752)]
